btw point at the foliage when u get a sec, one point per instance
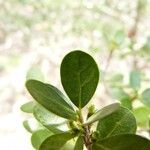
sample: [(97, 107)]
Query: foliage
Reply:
[(62, 121)]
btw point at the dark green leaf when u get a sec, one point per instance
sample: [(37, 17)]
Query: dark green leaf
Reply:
[(28, 107), (142, 115), (55, 142), (135, 79), (39, 136), (123, 142), (32, 125), (120, 122), (145, 97), (102, 113), (79, 143), (79, 76), (51, 121), (48, 97)]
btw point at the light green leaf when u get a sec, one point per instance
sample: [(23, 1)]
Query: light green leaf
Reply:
[(55, 142), (120, 122), (123, 142), (35, 73), (122, 96), (49, 98), (32, 125), (79, 143), (135, 79), (145, 97), (79, 77), (28, 107), (142, 115), (102, 113), (39, 136), (51, 121)]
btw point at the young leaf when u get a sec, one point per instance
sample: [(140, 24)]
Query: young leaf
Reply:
[(102, 113), (79, 143), (32, 125), (55, 142), (142, 115), (120, 122), (135, 79), (79, 77), (123, 142), (28, 107), (48, 97), (51, 121), (145, 98), (39, 136)]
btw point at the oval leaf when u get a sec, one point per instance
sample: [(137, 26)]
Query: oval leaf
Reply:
[(39, 136), (135, 79), (32, 125), (28, 107), (79, 143), (102, 113), (79, 77), (48, 97), (142, 115), (120, 122), (55, 142), (51, 121), (123, 142), (145, 98)]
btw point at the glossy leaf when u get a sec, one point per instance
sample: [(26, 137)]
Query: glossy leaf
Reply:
[(32, 125), (123, 142), (79, 143), (51, 121), (145, 98), (104, 112), (142, 115), (79, 77), (55, 142), (39, 136), (135, 79), (48, 97), (28, 107), (120, 122)]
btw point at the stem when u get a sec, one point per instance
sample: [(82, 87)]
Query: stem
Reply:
[(86, 133)]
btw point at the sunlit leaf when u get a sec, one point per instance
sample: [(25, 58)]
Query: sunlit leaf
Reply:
[(49, 98), (79, 143), (28, 107), (120, 122), (102, 113)]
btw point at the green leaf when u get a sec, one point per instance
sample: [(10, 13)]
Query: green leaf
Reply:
[(102, 113), (123, 142), (142, 115), (122, 96), (39, 136), (28, 107), (120, 122), (55, 142), (48, 97), (135, 79), (79, 77), (51, 121), (32, 125), (35, 73), (79, 143), (145, 97)]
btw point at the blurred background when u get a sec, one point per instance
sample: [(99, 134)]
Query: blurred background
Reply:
[(36, 35)]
